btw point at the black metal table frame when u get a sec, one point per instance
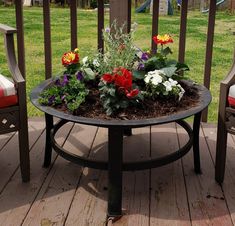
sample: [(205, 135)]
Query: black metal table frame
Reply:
[(116, 130)]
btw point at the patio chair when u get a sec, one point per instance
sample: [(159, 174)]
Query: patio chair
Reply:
[(226, 121), (13, 110)]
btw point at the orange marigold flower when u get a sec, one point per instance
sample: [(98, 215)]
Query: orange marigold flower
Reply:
[(70, 58), (162, 39)]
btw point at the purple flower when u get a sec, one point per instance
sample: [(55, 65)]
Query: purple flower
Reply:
[(141, 66), (63, 97), (79, 76), (57, 82), (51, 100), (144, 56), (65, 80), (107, 30)]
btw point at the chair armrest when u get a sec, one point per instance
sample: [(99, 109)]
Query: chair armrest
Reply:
[(230, 78), (17, 76), (8, 33), (6, 29), (224, 89)]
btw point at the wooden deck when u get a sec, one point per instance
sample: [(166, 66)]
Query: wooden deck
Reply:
[(66, 194)]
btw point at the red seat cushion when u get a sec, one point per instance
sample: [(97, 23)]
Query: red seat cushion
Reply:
[(8, 101), (8, 95)]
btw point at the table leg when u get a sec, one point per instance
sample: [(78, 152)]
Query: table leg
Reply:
[(196, 151), (115, 150), (48, 147), (128, 132)]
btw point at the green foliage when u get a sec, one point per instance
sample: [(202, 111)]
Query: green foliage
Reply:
[(159, 61), (119, 49), (73, 94), (155, 63), (112, 100), (90, 75), (138, 75)]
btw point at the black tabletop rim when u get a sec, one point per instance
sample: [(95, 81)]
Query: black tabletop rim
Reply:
[(204, 101)]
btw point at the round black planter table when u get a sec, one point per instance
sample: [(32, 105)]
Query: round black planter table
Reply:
[(116, 130)]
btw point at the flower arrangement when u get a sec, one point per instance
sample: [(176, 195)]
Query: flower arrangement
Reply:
[(123, 77)]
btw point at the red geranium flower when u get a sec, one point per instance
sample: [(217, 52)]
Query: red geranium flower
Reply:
[(132, 93), (108, 78), (70, 58), (127, 74), (162, 39), (123, 78)]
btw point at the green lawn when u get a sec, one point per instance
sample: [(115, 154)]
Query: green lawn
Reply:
[(87, 36)]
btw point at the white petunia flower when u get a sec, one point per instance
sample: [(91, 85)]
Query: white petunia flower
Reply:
[(96, 63), (173, 82), (182, 91), (155, 77), (147, 78), (168, 86), (84, 60)]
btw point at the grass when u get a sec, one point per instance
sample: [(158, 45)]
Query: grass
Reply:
[(87, 41)]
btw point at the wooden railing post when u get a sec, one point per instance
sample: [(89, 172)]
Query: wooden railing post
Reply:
[(232, 6), (100, 25), (183, 27), (209, 50), (20, 36), (155, 18), (121, 12), (47, 38), (73, 24)]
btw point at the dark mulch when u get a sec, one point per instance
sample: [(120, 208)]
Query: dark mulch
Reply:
[(92, 108)]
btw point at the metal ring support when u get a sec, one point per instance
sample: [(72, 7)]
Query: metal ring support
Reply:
[(127, 166)]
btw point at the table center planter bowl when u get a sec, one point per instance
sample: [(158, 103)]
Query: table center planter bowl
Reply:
[(117, 128)]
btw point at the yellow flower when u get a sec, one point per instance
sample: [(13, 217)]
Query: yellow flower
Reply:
[(76, 50), (70, 58), (162, 39)]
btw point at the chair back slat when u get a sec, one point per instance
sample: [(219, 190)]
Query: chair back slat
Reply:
[(183, 29), (209, 50), (20, 36), (73, 24), (155, 20), (100, 24), (47, 38)]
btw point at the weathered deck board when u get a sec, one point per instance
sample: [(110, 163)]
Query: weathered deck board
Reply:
[(17, 197), (136, 184), (65, 194), (168, 195), (89, 205), (59, 188), (205, 197), (9, 155), (229, 180), (5, 138)]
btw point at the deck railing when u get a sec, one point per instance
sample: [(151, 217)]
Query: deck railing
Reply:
[(121, 11)]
